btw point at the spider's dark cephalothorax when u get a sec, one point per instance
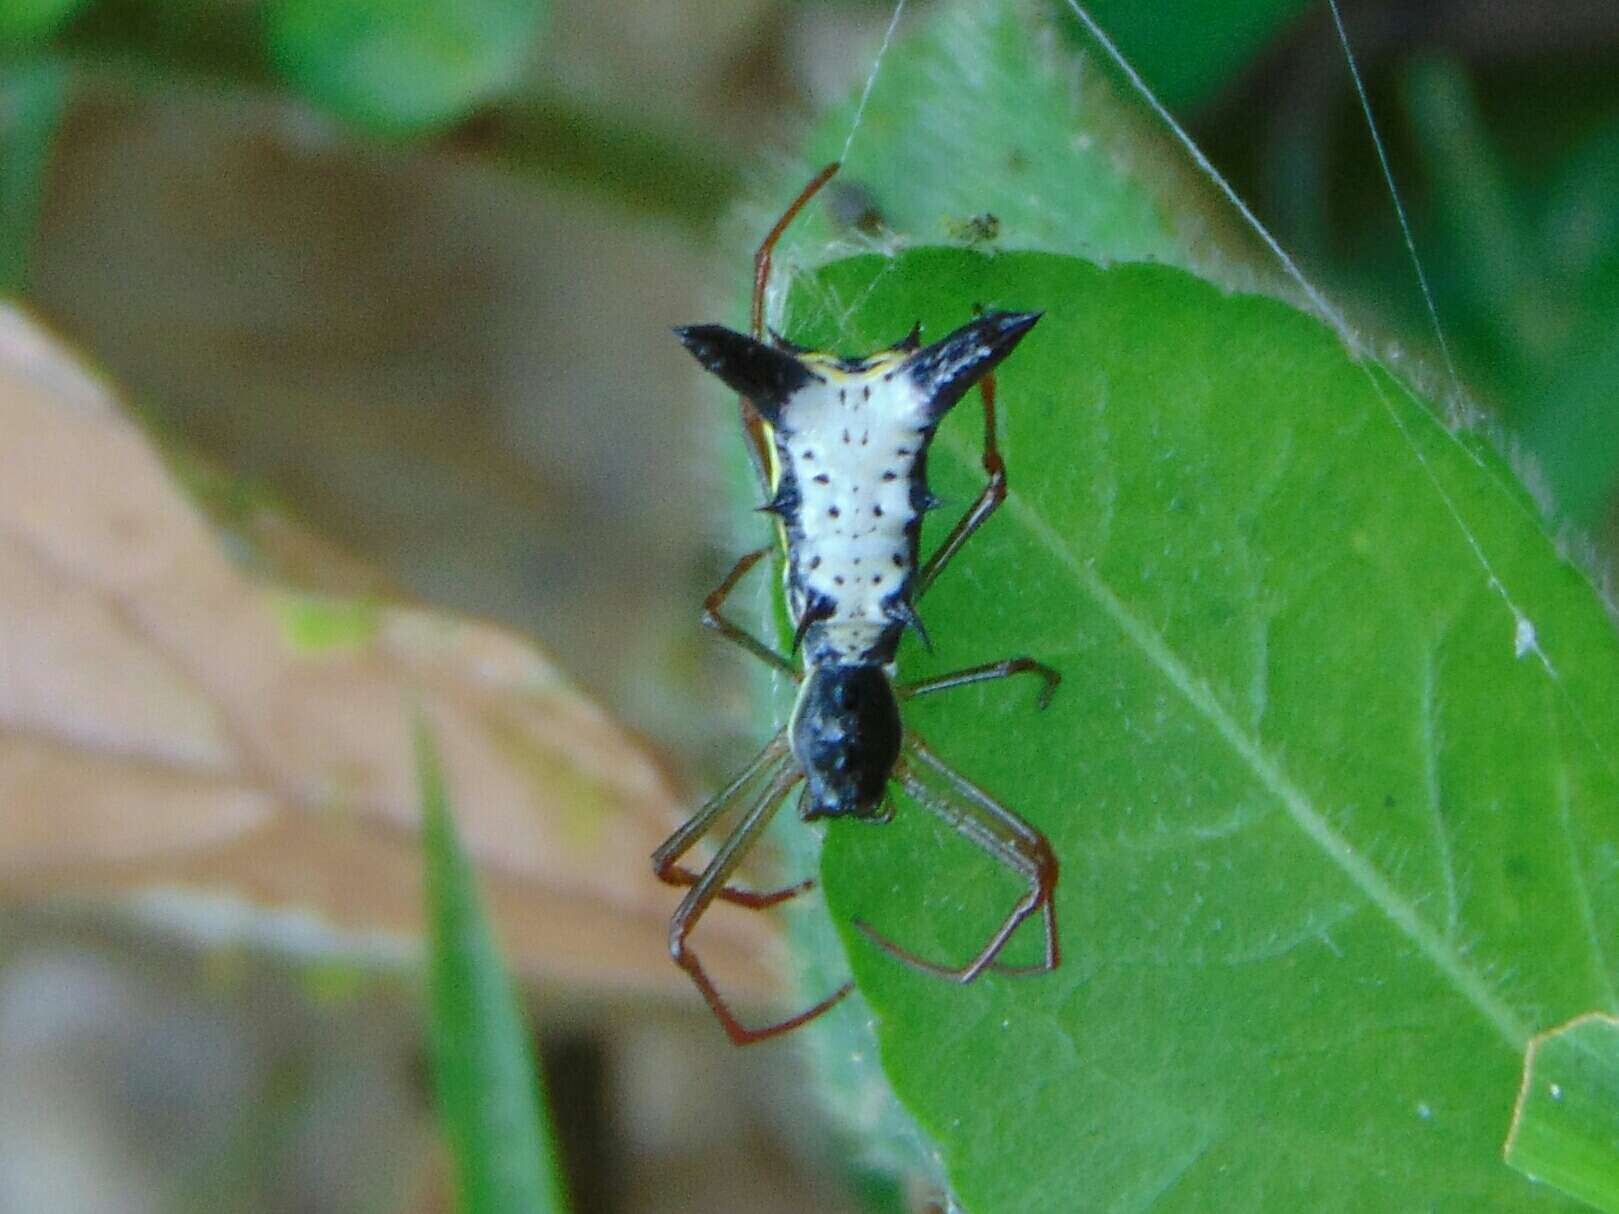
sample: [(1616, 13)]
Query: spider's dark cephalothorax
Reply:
[(841, 443), (845, 735)]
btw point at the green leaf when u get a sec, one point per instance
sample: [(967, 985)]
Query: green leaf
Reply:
[(402, 66), (1331, 774), (483, 1071), (1565, 1131), (972, 117), (1335, 823), (25, 21), (32, 98)]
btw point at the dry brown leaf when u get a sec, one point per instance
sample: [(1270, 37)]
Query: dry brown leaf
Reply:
[(174, 730)]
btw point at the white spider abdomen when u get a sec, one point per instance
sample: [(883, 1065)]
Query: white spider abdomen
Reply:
[(853, 454)]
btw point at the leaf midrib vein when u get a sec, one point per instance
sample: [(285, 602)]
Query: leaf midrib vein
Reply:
[(1378, 890)]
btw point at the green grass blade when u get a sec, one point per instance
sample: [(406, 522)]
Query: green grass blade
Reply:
[(483, 1070), (1565, 1132)]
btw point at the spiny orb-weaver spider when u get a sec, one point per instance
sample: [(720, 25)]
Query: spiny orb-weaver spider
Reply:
[(840, 445)]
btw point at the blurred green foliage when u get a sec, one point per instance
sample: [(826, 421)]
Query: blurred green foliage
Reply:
[(32, 95), (1510, 171), (22, 21), (1531, 260), (402, 66), (1187, 50), (1518, 232), (390, 70)]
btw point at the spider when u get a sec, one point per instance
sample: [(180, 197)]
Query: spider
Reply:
[(840, 446)]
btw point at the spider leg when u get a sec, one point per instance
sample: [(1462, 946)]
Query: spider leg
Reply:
[(753, 425), (767, 246), (1005, 668), (666, 864), (733, 632), (994, 493), (972, 812), (702, 895), (752, 899)]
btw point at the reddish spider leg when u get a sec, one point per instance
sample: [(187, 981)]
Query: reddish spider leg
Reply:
[(709, 887), (1005, 668), (976, 814), (666, 864), (735, 633), (711, 884), (973, 813), (752, 424), (665, 861), (988, 500), (992, 495)]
